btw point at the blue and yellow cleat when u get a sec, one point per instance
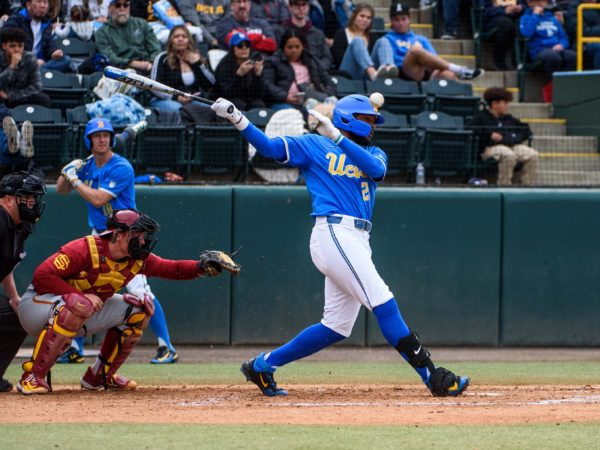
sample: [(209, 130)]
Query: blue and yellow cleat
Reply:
[(70, 356), (443, 383), (165, 355), (264, 380)]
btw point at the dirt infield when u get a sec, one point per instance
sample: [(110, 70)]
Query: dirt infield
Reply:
[(309, 405)]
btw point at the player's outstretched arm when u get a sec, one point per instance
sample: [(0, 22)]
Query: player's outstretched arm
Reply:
[(370, 164), (270, 148)]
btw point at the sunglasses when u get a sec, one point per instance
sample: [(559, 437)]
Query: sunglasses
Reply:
[(243, 45), (121, 5)]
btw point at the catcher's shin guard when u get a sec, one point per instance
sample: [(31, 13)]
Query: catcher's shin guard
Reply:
[(56, 336), (116, 348), (441, 382)]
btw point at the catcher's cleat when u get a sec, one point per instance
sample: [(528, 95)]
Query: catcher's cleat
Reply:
[(5, 385), (264, 380), (443, 383), (93, 382), (71, 356), (31, 384), (165, 355)]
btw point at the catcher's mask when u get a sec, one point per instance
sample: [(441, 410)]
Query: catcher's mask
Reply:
[(128, 220), (23, 184)]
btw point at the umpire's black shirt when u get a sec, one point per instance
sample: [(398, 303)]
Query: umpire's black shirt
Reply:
[(12, 242)]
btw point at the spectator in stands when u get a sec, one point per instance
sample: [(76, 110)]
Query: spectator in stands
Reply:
[(190, 11), (314, 37), (351, 47), (32, 19), (258, 31), (292, 75), (501, 137), (502, 15), (591, 28), (273, 11), (239, 77), (20, 79), (127, 41), (548, 41), (343, 10), (98, 9), (208, 13), (413, 54), (181, 67), (79, 26)]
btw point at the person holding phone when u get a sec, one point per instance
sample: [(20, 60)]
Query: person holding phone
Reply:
[(240, 74), (181, 67), (293, 75)]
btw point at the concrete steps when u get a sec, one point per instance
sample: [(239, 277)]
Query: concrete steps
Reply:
[(568, 178), (565, 144), (531, 110), (547, 127)]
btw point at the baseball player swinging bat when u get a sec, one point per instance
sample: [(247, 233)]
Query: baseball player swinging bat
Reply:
[(148, 84)]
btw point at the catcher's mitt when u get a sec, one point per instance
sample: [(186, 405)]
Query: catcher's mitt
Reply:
[(212, 263)]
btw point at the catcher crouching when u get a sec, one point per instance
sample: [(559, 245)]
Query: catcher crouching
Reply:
[(74, 293)]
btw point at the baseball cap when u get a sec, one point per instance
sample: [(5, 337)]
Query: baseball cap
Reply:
[(293, 2), (237, 38), (399, 8)]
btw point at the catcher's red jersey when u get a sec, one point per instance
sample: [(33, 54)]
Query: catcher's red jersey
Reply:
[(85, 265)]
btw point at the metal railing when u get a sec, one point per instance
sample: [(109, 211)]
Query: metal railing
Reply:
[(581, 39)]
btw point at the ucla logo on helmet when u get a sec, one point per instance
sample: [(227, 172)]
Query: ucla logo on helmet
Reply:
[(100, 124)]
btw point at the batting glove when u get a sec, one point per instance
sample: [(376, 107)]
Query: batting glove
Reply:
[(70, 172), (226, 109), (325, 127)]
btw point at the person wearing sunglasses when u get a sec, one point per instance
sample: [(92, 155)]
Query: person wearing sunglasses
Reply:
[(239, 74), (128, 42)]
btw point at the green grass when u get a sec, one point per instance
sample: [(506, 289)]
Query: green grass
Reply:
[(501, 373), (97, 436)]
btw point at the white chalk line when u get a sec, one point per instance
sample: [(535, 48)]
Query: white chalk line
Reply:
[(226, 401)]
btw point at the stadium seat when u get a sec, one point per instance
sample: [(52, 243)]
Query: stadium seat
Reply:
[(64, 89), (51, 135), (400, 146), (451, 97), (401, 97), (162, 148), (345, 86), (393, 120), (259, 116), (480, 33), (446, 149), (218, 149), (378, 23), (76, 48), (524, 63)]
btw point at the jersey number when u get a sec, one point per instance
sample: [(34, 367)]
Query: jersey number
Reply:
[(364, 186)]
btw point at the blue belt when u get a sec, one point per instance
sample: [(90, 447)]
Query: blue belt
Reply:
[(360, 224)]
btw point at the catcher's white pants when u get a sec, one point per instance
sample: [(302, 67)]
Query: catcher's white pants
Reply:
[(35, 310), (343, 254)]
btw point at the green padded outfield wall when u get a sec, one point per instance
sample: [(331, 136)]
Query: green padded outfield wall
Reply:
[(439, 252), (468, 267), (551, 268)]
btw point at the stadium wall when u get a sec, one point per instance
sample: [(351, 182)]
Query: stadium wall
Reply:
[(486, 267)]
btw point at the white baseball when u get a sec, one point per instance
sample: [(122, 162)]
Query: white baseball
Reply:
[(376, 99)]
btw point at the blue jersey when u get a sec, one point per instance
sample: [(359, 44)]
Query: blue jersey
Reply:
[(335, 183), (403, 42), (116, 178)]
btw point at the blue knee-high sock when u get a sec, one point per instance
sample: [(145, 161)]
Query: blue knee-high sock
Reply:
[(391, 323), (394, 328), (309, 341), (77, 344), (158, 324)]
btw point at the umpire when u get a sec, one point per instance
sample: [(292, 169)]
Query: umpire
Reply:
[(21, 206)]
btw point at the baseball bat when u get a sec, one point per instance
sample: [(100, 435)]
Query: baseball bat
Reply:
[(148, 84)]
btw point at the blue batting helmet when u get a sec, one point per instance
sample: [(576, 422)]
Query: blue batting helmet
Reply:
[(345, 110), (96, 125)]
